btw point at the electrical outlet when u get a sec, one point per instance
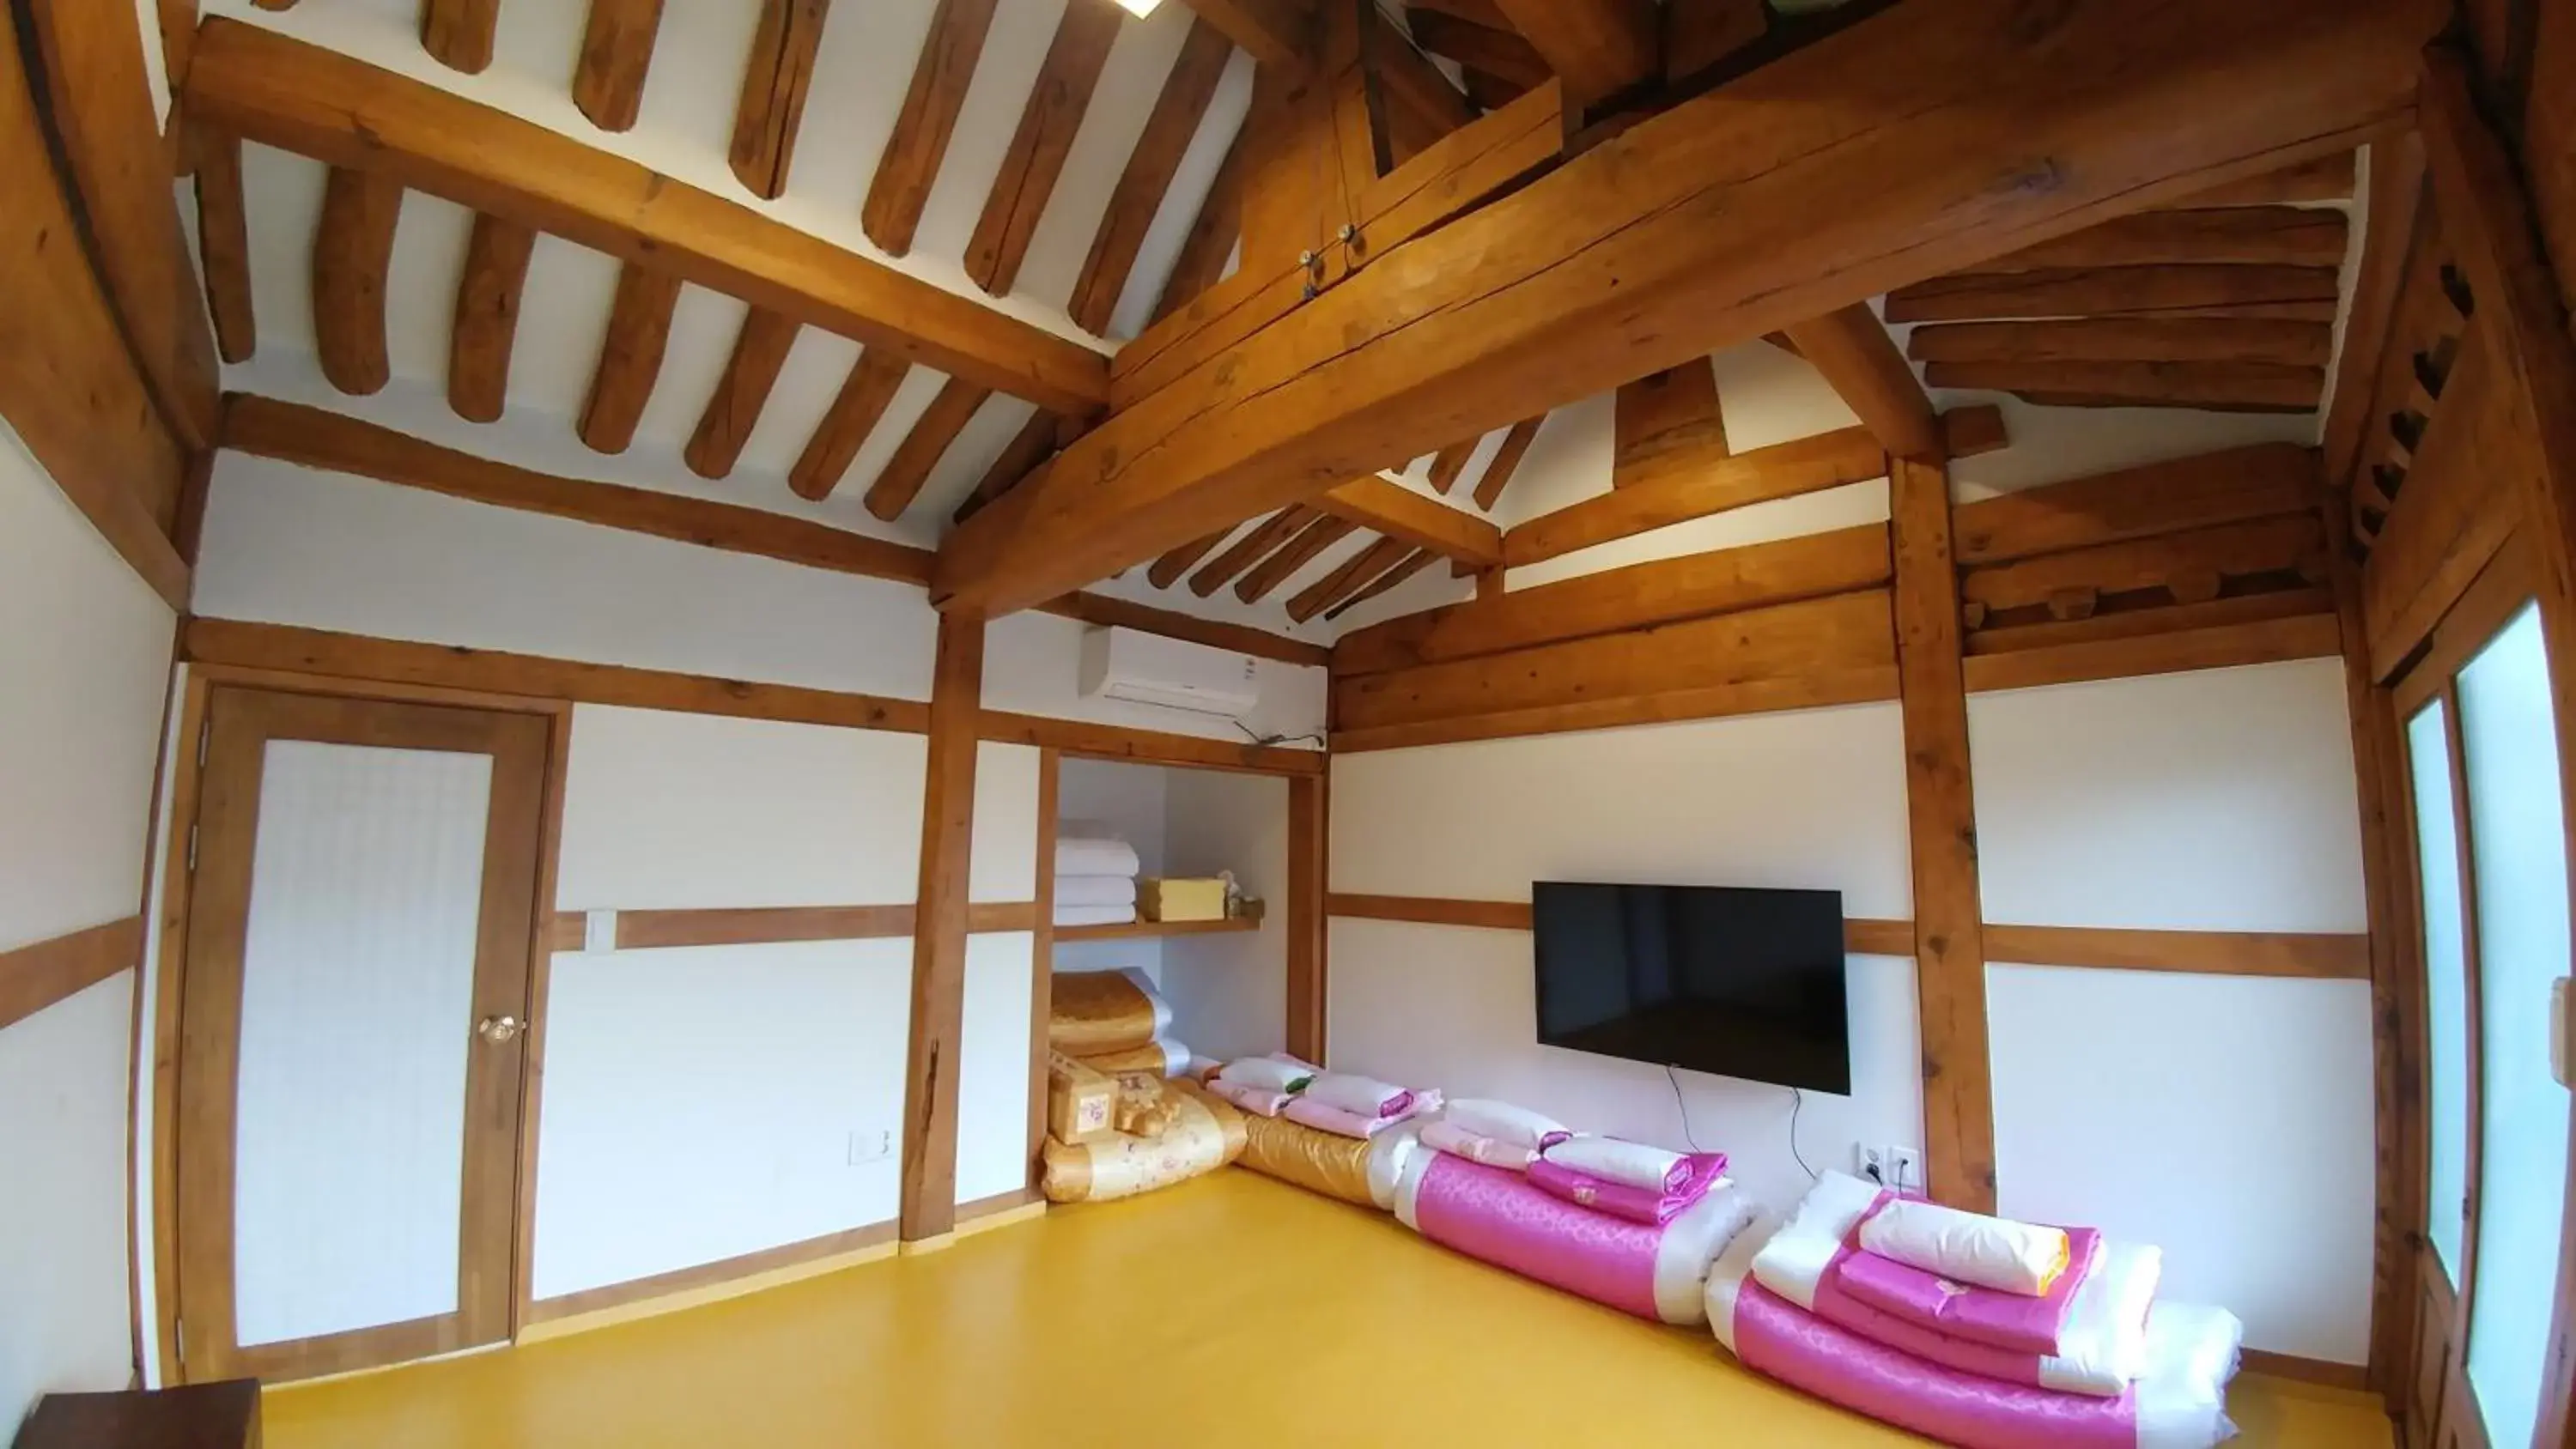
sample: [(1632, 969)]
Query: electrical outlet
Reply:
[(1905, 1166), (1872, 1162), (870, 1145)]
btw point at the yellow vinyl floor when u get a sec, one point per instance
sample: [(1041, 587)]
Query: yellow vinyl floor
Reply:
[(1230, 1311)]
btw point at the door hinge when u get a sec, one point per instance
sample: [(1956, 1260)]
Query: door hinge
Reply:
[(203, 734), (192, 849)]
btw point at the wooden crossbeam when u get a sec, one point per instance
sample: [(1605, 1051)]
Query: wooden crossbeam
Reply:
[(458, 33), (1667, 422), (1279, 33), (1178, 110), (1718, 225), (2191, 563), (1028, 451), (1861, 362), (774, 81), (1399, 512), (2321, 179), (2111, 292), (630, 357), (904, 474), (1598, 47), (2128, 339), (2261, 387), (1506, 462), (910, 164), (487, 318), (1498, 53), (2234, 485), (1448, 463), (1783, 470), (616, 55), (353, 246), (271, 88), (760, 350), (2281, 236), (223, 244), (847, 423), (1038, 149)]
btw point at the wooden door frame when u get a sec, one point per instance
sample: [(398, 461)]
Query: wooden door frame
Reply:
[(169, 962)]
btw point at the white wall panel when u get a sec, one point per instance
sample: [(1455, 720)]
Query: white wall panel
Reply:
[(1005, 863), (2225, 1119), (993, 1066), (1229, 993), (2220, 800), (667, 811), (703, 1103), (1126, 801)]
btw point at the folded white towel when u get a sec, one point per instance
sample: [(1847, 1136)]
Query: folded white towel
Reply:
[(1267, 1074), (1358, 1095), (1504, 1122), (1095, 890), (1995, 1253), (1093, 915), (1080, 855), (1611, 1160)]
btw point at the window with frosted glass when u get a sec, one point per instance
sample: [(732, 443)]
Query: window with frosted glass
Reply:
[(2446, 1014), (2518, 850)]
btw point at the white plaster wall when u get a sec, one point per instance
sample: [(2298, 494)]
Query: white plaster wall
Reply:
[(2227, 1119), (1229, 993), (1001, 972), (86, 651), (1809, 799)]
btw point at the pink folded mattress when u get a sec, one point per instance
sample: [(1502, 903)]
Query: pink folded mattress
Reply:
[(2178, 1403), (1485, 1212)]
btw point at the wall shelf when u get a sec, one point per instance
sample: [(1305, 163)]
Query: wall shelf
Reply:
[(1129, 930)]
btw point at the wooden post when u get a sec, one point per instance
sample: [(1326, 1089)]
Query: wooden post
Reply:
[(1308, 828), (929, 1207), (1949, 929)]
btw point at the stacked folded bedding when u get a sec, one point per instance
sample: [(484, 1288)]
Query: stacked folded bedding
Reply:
[(1116, 1126), (1621, 1223), (1333, 1133), (1114, 1022), (1095, 877), (1202, 1135), (1975, 1330)]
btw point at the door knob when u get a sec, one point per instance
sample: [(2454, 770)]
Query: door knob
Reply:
[(498, 1030)]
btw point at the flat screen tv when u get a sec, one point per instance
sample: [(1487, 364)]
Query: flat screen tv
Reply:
[(1734, 982)]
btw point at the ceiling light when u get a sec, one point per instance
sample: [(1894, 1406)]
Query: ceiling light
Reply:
[(1140, 8)]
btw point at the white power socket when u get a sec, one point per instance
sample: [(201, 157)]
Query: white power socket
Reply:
[(870, 1145), (1897, 1168)]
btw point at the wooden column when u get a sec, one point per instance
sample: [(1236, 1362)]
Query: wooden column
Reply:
[(939, 934), (1308, 827), (1949, 930)]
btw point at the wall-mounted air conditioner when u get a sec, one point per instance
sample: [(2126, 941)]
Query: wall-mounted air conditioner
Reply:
[(1141, 668)]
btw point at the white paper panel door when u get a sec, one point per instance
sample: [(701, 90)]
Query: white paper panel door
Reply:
[(356, 1017)]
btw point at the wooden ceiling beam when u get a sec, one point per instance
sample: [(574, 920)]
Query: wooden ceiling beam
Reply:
[(280, 91), (1860, 361), (1498, 53), (223, 244), (1783, 470), (458, 33), (1506, 462), (1168, 569), (1449, 462), (846, 425), (760, 350), (774, 81), (616, 55), (1352, 575), (2260, 387), (1399, 512), (2109, 292), (1030, 168), (1028, 452), (1616, 262), (909, 166), (1255, 544), (1295, 554), (1280, 33), (901, 480), (2127, 339), (2233, 485), (2317, 181), (630, 357), (1413, 563), (1415, 100), (2281, 236), (2388, 237), (487, 318), (1667, 422), (1212, 235), (1178, 110), (1597, 47), (353, 246)]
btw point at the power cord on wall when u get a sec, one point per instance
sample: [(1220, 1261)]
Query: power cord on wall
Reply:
[(1276, 739), (1797, 1103), (1683, 1107)]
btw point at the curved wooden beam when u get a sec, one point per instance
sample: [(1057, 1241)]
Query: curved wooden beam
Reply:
[(845, 428), (352, 249), (487, 318), (630, 357)]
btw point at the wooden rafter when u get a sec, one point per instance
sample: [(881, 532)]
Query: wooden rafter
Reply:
[(760, 349), (458, 33), (1450, 462), (1291, 556), (1352, 575), (1279, 33), (2126, 339), (1506, 462), (1211, 238), (1168, 569), (2396, 195), (846, 425), (2113, 292), (1150, 168), (1512, 308), (1861, 362), (630, 357), (1248, 550), (352, 247), (1028, 451), (904, 474), (616, 55), (487, 318), (271, 88), (1412, 563), (774, 82), (1036, 158), (1783, 470), (1667, 422), (1598, 47), (2283, 236), (910, 164), (2321, 179), (223, 245), (2234, 485), (1501, 54), (2260, 387)]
